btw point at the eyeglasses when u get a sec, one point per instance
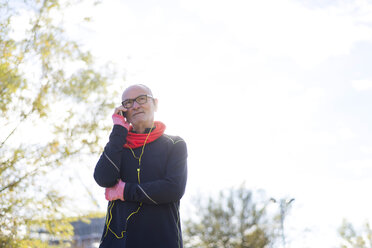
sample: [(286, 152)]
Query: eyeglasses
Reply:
[(142, 99)]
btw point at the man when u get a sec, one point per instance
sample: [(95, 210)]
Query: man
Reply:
[(144, 172)]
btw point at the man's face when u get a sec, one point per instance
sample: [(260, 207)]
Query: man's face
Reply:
[(139, 114)]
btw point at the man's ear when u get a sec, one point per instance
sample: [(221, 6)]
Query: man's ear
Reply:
[(156, 104)]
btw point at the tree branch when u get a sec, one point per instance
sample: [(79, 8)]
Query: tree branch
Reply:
[(12, 132)]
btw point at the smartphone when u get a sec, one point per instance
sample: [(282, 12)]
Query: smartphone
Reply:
[(122, 113)]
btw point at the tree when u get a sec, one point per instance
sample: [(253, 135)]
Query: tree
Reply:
[(231, 220), (354, 239), (46, 81)]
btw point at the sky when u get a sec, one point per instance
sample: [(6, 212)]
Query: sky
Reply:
[(273, 93)]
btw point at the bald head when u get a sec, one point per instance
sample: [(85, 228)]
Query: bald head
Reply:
[(142, 87)]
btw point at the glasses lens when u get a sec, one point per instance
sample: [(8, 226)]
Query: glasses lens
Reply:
[(127, 103), (141, 99)]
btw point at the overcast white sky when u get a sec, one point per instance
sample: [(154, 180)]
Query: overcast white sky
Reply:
[(275, 93)]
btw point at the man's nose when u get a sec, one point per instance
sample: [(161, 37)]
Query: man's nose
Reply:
[(135, 105)]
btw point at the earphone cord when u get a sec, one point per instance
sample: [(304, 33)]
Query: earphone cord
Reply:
[(108, 220)]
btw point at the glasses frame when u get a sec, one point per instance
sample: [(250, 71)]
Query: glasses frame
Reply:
[(135, 100)]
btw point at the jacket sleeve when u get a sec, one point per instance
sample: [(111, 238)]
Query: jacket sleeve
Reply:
[(107, 171), (169, 189)]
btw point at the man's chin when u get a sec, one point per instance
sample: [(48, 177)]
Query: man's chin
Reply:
[(138, 119)]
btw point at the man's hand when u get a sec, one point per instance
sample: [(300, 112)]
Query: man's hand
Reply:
[(119, 119), (116, 192)]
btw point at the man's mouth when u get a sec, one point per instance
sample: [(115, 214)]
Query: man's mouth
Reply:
[(137, 113)]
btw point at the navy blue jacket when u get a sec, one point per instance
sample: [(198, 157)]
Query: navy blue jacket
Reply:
[(149, 216)]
